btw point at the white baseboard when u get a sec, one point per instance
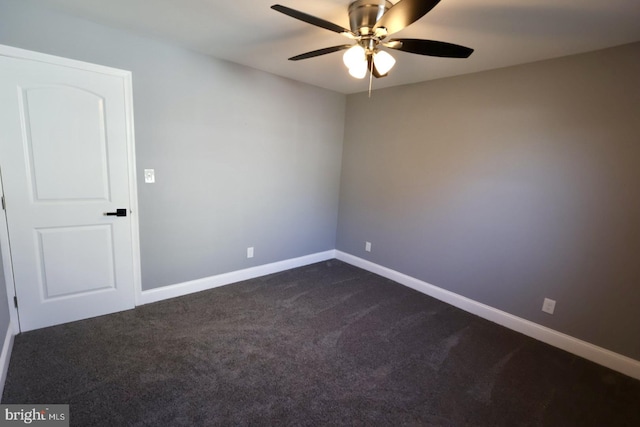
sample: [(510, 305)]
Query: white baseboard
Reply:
[(180, 289), (5, 356), (602, 356)]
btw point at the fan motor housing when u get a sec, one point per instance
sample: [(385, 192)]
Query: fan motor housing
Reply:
[(363, 14)]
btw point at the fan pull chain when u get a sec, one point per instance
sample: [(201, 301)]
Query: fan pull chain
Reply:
[(370, 78)]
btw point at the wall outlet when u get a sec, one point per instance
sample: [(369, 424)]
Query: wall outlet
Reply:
[(367, 246), (149, 176), (549, 305), (250, 252)]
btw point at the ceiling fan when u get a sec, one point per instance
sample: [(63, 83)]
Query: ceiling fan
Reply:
[(371, 22)]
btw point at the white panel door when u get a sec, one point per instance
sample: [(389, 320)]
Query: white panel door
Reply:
[(64, 163)]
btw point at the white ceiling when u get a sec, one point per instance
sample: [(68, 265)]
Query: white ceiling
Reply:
[(502, 32)]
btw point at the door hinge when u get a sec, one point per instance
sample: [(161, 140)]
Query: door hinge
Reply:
[(15, 301)]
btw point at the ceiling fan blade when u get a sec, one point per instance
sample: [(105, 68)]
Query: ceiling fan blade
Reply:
[(404, 13), (430, 48), (309, 19), (319, 52)]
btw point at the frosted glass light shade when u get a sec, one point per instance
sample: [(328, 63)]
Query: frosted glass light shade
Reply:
[(360, 70), (355, 59), (354, 56), (383, 62)]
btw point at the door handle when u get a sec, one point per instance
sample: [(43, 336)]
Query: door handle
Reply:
[(118, 212)]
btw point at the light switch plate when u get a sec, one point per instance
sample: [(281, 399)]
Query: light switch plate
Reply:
[(149, 176)]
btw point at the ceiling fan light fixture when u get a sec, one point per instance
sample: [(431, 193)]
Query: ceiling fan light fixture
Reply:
[(383, 62)]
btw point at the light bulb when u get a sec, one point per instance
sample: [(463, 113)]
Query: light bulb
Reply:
[(383, 62), (353, 56)]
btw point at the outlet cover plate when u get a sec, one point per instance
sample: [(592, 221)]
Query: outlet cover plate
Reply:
[(549, 305)]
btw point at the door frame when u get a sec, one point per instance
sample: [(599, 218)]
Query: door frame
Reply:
[(5, 247)]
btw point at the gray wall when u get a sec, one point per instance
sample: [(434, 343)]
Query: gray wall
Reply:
[(506, 187), (242, 158)]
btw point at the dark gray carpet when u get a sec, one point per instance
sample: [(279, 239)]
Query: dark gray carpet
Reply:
[(326, 344)]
